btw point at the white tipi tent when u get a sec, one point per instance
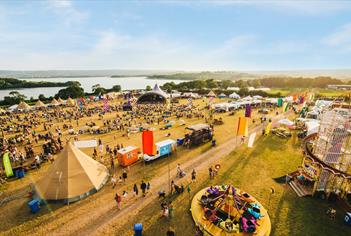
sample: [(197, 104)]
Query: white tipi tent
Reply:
[(73, 176)]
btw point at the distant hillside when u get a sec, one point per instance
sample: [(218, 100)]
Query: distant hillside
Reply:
[(219, 75)]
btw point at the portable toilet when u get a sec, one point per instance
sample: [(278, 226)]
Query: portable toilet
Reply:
[(138, 229), (128, 155)]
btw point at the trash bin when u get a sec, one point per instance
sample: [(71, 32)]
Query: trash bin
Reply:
[(348, 218), (180, 141), (138, 229), (20, 173), (34, 205)]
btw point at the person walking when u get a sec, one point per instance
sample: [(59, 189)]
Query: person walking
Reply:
[(118, 200), (210, 170), (143, 187), (135, 190), (170, 210), (113, 181), (193, 176), (124, 175)]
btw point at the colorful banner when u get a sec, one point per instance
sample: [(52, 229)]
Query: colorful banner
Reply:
[(243, 126), (106, 105), (251, 140), (280, 102), (285, 106), (7, 165), (248, 111), (268, 128), (148, 142)]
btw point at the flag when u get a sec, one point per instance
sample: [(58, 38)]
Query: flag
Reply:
[(148, 142), (106, 105), (248, 111), (285, 107), (251, 140), (280, 102), (268, 128), (242, 126), (7, 165)]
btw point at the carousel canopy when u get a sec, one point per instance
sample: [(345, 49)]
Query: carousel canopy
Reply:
[(72, 176)]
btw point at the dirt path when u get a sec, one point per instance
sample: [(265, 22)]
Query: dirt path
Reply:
[(113, 218)]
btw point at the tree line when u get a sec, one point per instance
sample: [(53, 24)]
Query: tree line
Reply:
[(11, 83), (270, 82)]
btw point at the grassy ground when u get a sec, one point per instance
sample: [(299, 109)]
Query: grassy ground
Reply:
[(254, 170)]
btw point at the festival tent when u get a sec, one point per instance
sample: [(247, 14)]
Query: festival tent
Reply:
[(2, 110), (70, 102), (286, 122), (73, 176), (156, 95), (39, 104), (12, 108), (247, 98), (234, 95), (312, 127), (23, 106), (211, 94), (222, 95), (257, 97), (61, 101), (54, 102)]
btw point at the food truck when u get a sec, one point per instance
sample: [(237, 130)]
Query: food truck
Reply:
[(197, 134), (163, 148), (128, 155)]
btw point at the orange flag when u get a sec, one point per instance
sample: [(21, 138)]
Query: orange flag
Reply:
[(242, 127), (148, 142)]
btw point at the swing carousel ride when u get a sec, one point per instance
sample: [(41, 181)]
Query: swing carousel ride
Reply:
[(226, 210)]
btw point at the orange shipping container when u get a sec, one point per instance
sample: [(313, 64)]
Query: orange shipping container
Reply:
[(128, 155)]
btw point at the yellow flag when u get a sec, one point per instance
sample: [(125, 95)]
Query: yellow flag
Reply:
[(268, 128), (243, 126)]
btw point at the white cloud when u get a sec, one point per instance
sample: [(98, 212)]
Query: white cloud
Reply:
[(341, 38), (314, 7), (65, 9)]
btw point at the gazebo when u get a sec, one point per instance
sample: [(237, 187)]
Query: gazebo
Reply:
[(155, 96)]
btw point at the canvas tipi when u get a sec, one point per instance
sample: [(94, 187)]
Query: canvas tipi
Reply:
[(23, 106), (70, 102), (54, 102), (39, 104), (73, 176)]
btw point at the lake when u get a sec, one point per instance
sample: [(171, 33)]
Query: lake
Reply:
[(87, 82)]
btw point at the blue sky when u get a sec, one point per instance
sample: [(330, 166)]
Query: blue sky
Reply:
[(175, 35)]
